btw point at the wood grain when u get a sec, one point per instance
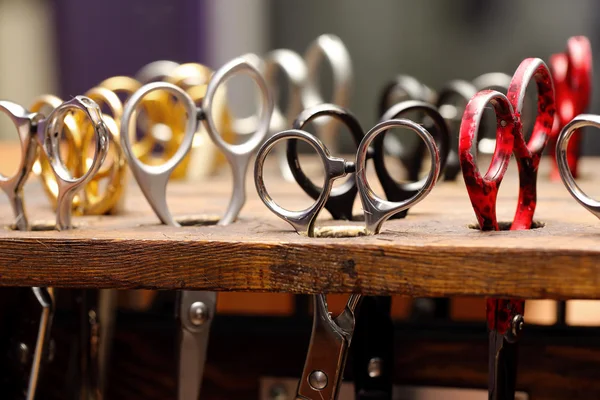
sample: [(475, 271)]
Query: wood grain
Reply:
[(432, 252)]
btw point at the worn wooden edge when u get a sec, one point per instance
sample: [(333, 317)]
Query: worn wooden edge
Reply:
[(291, 267)]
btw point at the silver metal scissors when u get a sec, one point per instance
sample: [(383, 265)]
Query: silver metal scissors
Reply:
[(376, 210), (328, 349), (196, 309), (580, 121), (156, 71), (35, 130)]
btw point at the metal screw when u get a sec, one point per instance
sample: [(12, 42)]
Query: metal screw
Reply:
[(375, 367), (23, 353), (517, 325), (198, 313), (317, 380), (278, 392), (503, 123)]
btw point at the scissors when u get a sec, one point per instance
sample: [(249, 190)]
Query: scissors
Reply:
[(155, 71), (376, 210), (563, 160), (37, 131), (196, 309), (79, 134), (572, 73), (329, 342), (505, 316)]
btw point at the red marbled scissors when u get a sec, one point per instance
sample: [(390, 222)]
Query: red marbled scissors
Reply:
[(505, 316), (572, 74)]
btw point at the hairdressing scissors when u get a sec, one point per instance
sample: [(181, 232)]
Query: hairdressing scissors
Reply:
[(572, 73), (196, 309), (564, 166), (35, 130), (156, 71), (329, 342), (505, 316), (79, 134), (376, 210)]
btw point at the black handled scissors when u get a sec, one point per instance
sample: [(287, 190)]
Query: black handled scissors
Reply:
[(376, 210)]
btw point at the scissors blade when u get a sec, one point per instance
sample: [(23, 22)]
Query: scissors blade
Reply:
[(45, 297), (196, 311)]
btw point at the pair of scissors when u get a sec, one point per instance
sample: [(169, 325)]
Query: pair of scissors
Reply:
[(305, 89), (196, 309), (376, 210), (78, 136), (505, 316), (38, 133), (328, 349), (572, 73)]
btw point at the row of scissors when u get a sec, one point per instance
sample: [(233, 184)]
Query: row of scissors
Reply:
[(167, 123)]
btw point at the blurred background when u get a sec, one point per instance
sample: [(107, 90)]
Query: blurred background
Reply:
[(66, 47)]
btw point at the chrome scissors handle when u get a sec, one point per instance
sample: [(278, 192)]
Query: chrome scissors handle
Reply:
[(153, 179), (376, 209), (566, 174), (48, 137), (156, 71), (238, 155), (332, 48), (303, 221), (328, 349), (13, 186)]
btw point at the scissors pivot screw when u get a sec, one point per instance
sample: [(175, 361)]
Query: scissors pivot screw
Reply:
[(23, 353), (199, 313), (503, 123), (318, 380), (375, 367), (517, 325)]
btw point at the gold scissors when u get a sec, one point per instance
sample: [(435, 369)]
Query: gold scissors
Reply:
[(79, 135)]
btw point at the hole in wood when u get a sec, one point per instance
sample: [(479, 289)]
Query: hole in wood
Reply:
[(198, 220), (505, 226), (339, 231), (40, 226)]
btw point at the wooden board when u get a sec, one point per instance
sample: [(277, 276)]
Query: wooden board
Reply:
[(433, 252)]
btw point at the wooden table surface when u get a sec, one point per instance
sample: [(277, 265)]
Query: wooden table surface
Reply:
[(433, 252)]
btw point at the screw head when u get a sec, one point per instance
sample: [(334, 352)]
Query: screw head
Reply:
[(518, 323), (317, 380), (375, 367), (199, 313), (23, 353)]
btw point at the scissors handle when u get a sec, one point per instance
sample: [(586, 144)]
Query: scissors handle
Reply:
[(528, 155), (238, 155), (156, 71), (402, 88), (451, 103), (326, 357), (303, 221), (332, 48), (395, 191), (376, 209), (572, 74), (483, 190), (152, 179), (13, 186), (341, 199), (562, 158)]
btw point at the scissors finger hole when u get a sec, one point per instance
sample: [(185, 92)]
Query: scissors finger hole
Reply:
[(406, 156), (290, 195), (159, 127), (505, 225), (244, 100)]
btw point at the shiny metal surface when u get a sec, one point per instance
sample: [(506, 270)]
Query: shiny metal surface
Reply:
[(328, 349), (45, 297), (376, 210), (566, 175), (155, 71), (332, 48)]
